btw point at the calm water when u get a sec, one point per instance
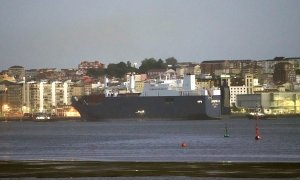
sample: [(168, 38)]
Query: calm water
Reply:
[(143, 140)]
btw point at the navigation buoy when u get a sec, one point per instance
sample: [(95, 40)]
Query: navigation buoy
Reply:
[(183, 145), (257, 136), (226, 131)]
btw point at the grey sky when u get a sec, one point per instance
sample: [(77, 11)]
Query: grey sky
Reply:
[(62, 33)]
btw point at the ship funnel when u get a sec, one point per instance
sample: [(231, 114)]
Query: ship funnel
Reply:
[(131, 83), (189, 82), (105, 82)]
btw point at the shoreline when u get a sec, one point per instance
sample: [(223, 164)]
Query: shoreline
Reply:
[(79, 169), (3, 119), (224, 117)]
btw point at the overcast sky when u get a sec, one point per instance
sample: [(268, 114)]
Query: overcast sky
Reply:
[(62, 33)]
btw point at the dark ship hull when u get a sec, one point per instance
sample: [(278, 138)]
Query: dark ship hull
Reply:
[(148, 107)]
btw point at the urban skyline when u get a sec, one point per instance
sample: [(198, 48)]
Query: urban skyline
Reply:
[(76, 66)]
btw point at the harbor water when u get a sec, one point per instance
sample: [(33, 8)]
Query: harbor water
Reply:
[(152, 140)]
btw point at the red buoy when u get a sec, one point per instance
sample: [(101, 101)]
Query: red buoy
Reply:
[(183, 145), (257, 136)]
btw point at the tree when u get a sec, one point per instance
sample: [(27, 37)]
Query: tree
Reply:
[(160, 64), (151, 63), (171, 61), (120, 70), (147, 64), (117, 70), (95, 73), (131, 68)]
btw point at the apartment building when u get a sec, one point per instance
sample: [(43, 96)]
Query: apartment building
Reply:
[(236, 90), (14, 97), (46, 96)]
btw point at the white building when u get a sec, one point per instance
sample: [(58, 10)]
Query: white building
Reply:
[(45, 96), (248, 88), (234, 91)]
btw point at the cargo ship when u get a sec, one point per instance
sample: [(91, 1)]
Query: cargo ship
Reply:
[(160, 99)]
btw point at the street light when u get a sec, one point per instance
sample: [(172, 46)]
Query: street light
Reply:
[(5, 107)]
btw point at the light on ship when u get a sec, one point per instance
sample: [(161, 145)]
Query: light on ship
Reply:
[(140, 112)]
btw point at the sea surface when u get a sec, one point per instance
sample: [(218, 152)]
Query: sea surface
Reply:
[(152, 140)]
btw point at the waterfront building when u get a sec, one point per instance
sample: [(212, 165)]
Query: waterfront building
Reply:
[(46, 96), (32, 97), (14, 97), (271, 102), (239, 85), (67, 91), (45, 100), (3, 96), (236, 90), (61, 93)]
